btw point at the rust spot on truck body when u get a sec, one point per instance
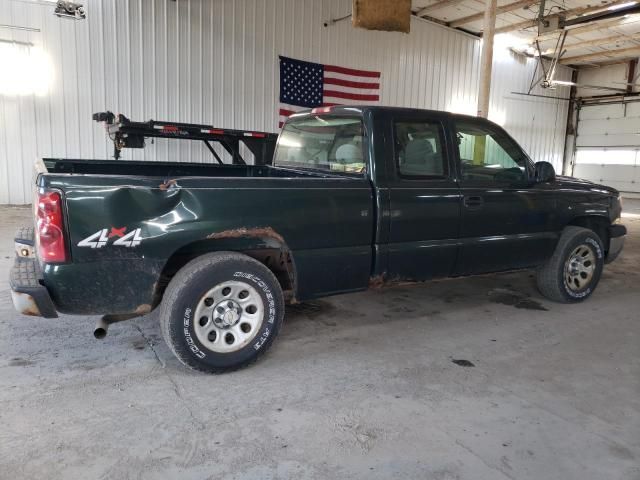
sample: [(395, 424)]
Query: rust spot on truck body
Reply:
[(243, 232), (381, 281), (274, 241), (25, 304), (168, 184), (377, 281), (143, 309)]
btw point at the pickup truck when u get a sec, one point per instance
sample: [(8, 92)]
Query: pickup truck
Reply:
[(355, 198)]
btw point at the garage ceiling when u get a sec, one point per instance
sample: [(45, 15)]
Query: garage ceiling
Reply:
[(597, 42)]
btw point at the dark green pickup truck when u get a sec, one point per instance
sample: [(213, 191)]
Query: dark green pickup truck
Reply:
[(354, 198)]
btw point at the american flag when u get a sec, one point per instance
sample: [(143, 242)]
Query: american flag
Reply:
[(305, 85)]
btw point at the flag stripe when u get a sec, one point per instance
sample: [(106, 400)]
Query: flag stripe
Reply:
[(306, 85), (351, 71), (357, 91), (349, 83), (346, 101), (350, 78), (351, 96)]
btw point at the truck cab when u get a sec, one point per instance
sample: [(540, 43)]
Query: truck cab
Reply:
[(454, 195)]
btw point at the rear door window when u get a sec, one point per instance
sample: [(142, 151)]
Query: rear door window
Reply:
[(419, 150)]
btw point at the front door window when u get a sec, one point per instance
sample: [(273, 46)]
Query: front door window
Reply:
[(489, 157)]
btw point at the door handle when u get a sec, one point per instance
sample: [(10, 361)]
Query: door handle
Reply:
[(473, 202)]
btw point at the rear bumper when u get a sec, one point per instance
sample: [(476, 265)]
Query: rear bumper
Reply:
[(29, 296), (617, 235)]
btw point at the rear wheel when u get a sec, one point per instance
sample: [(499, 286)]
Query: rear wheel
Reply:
[(573, 272), (221, 311)]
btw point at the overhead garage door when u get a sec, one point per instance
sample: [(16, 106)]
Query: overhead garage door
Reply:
[(608, 145)]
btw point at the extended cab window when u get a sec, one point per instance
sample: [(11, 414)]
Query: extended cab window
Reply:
[(333, 143), (489, 156), (419, 149)]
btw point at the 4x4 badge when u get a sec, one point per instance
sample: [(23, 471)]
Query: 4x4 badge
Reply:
[(101, 238)]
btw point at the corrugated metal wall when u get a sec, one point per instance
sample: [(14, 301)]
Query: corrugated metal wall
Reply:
[(215, 62), (538, 124)]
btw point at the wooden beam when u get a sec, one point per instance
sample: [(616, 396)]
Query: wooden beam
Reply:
[(486, 59), (606, 54), (567, 13), (631, 74), (597, 42), (592, 26), (517, 26), (504, 9), (437, 6)]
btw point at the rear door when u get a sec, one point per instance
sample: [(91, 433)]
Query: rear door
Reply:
[(424, 204), (507, 221)]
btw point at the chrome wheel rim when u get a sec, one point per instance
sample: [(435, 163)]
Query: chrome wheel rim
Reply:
[(580, 267), (228, 316)]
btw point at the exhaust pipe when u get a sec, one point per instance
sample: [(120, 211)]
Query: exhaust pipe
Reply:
[(101, 329)]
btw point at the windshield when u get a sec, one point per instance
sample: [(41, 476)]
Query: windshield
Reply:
[(332, 143)]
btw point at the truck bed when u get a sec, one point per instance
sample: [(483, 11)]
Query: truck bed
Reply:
[(180, 208), (169, 169)]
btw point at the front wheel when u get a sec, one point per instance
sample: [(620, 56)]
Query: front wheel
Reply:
[(221, 311), (573, 272)]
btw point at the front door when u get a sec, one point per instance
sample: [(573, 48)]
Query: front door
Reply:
[(424, 199), (507, 222)]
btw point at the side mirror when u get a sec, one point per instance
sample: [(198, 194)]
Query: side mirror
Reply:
[(544, 172)]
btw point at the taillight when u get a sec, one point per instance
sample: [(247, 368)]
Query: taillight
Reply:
[(50, 228)]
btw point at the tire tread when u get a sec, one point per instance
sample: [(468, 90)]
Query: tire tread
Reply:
[(547, 278), (184, 277)]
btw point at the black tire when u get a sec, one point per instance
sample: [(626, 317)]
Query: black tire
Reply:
[(185, 295), (554, 281)]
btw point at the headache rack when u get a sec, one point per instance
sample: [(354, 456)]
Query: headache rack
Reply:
[(126, 133)]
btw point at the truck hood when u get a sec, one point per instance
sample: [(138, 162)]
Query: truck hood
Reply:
[(580, 184)]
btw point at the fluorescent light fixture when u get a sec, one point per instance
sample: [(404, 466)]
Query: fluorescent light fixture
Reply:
[(622, 5), (563, 82)]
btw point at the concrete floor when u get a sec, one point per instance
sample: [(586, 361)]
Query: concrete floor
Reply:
[(357, 386)]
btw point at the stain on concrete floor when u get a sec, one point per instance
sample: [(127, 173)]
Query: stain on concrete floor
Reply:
[(515, 299)]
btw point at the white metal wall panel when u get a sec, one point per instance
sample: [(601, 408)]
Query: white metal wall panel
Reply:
[(538, 124), (215, 61)]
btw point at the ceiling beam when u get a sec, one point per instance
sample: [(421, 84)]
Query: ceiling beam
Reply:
[(504, 9), (591, 27), (621, 11), (567, 13), (605, 55), (597, 42), (436, 6)]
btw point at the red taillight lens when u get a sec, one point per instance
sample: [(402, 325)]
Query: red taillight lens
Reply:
[(50, 228)]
